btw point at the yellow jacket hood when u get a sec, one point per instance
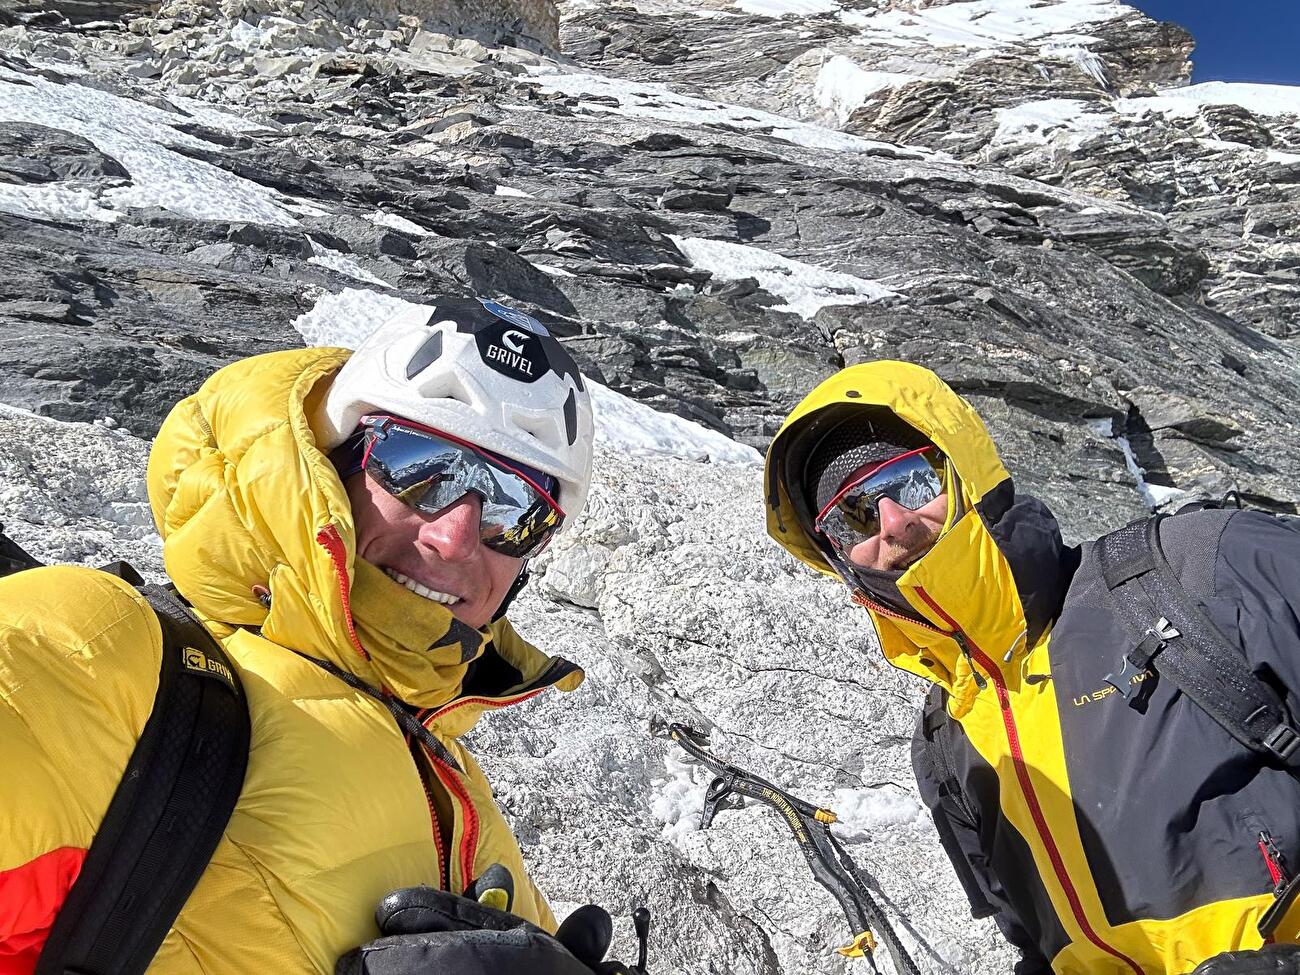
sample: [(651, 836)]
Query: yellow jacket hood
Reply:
[(996, 572), (257, 532)]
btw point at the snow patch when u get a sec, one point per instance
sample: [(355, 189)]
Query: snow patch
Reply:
[(1155, 495), (53, 203), (863, 811), (678, 800), (806, 288), (983, 23), (1068, 120), (204, 114), (551, 269), (304, 208), (639, 429), (1074, 121), (786, 8), (340, 263), (511, 191), (248, 36), (382, 219), (137, 136), (346, 318), (842, 87), (1179, 102), (658, 101)]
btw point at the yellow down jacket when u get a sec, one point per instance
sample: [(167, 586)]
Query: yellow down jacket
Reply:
[(337, 809)]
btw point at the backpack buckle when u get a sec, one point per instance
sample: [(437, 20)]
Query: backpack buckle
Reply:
[(1136, 660), (1165, 630), (1282, 741)]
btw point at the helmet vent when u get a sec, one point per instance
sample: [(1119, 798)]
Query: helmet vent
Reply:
[(571, 418), (543, 429), (425, 355)]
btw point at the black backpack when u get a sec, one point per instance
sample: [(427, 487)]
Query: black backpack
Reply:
[(1173, 637), (171, 806)]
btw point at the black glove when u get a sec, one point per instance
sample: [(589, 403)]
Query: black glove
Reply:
[(1269, 960), (430, 932)]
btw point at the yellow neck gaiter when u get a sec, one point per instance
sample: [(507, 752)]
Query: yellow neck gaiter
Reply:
[(418, 650)]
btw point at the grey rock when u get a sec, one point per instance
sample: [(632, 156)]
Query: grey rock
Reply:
[(695, 199), (36, 154), (1164, 410), (278, 67)]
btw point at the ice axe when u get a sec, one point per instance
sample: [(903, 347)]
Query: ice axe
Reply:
[(831, 864)]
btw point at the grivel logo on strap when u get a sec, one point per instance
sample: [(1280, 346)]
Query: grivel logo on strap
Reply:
[(198, 662)]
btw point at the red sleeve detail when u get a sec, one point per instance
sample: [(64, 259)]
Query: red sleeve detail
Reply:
[(30, 898)]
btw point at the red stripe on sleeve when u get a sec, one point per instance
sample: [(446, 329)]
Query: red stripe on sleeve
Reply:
[(30, 898)]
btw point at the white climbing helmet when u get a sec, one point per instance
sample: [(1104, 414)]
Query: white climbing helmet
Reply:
[(477, 370)]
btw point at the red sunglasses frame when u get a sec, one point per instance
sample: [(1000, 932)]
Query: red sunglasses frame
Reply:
[(860, 475)]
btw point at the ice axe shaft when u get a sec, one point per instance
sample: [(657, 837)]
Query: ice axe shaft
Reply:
[(831, 864)]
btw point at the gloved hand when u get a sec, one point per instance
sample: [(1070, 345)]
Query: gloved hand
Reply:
[(1269, 960), (430, 931)]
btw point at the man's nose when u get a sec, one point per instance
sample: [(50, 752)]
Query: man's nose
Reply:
[(894, 519), (454, 531)]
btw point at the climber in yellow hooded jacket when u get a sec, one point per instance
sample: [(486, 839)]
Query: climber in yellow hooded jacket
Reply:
[(1108, 833), (351, 528)]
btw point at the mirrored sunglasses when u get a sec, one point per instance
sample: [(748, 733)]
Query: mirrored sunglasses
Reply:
[(429, 470), (911, 480)]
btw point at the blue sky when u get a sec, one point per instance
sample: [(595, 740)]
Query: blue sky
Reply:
[(1237, 40)]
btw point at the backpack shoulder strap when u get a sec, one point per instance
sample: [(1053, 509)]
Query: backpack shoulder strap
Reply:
[(936, 730), (13, 558), (1165, 622), (169, 811)]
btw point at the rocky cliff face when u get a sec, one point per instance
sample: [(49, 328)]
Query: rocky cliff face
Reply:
[(715, 206), (585, 193)]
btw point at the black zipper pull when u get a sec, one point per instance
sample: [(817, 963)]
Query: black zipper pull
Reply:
[(980, 682)]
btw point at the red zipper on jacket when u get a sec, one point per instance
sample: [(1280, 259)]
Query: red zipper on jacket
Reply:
[(1027, 787), (487, 702), (469, 841), (451, 779), (332, 542), (330, 539), (444, 864), (1273, 860)]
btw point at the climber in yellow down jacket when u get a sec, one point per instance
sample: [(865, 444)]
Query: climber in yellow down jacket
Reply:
[(328, 518), (1108, 823)]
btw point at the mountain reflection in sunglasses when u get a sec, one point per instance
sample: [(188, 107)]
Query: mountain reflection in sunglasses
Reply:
[(911, 480), (429, 470)]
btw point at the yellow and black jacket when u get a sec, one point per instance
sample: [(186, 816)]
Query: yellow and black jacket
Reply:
[(338, 808), (1104, 838)]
